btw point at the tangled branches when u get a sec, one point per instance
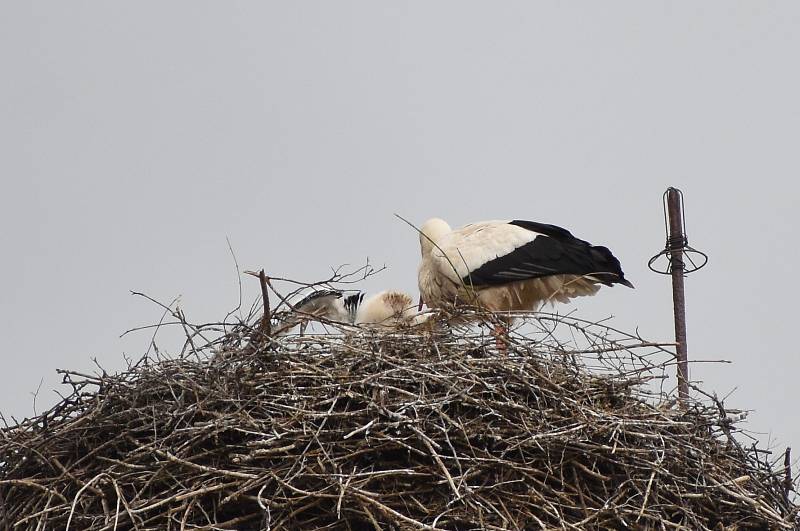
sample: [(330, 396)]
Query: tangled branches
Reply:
[(567, 428)]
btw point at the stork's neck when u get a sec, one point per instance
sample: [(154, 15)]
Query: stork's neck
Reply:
[(430, 234)]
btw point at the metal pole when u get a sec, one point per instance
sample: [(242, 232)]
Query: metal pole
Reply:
[(677, 241)]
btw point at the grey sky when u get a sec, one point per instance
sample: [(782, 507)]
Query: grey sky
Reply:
[(136, 137)]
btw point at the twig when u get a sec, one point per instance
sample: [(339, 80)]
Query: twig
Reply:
[(266, 324)]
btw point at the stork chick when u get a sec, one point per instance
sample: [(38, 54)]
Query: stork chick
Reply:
[(324, 304), (388, 309)]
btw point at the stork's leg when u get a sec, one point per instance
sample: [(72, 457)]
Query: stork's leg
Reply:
[(501, 336)]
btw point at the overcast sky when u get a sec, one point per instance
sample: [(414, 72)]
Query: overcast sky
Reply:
[(136, 137)]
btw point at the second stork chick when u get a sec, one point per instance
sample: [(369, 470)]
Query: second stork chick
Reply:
[(388, 309)]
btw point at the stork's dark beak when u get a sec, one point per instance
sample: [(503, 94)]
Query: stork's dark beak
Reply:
[(419, 306), (625, 283)]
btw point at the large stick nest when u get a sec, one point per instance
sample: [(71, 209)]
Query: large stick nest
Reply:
[(567, 428)]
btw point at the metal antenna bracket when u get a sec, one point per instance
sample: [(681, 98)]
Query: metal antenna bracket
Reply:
[(677, 243)]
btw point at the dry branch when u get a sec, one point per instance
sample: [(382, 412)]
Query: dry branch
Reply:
[(266, 324)]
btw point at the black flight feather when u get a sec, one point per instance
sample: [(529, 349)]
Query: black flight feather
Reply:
[(554, 251)]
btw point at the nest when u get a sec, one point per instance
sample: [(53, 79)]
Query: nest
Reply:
[(567, 427)]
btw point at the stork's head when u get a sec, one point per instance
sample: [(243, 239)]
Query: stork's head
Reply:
[(432, 230)]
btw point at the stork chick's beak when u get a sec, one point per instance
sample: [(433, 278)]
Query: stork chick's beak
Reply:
[(419, 306)]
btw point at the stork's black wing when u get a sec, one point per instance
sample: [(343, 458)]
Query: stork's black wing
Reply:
[(315, 297), (553, 251)]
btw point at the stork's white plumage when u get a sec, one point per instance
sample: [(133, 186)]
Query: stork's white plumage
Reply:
[(388, 310), (510, 265)]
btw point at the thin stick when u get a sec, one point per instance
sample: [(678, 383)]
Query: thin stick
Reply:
[(787, 470), (266, 323)]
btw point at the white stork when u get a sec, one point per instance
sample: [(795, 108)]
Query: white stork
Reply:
[(506, 266), (387, 310)]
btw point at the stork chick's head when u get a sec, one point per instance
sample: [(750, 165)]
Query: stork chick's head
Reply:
[(430, 233)]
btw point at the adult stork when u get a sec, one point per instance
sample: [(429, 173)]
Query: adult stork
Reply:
[(506, 266)]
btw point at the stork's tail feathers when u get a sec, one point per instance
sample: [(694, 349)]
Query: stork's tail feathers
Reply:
[(626, 283), (609, 270)]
